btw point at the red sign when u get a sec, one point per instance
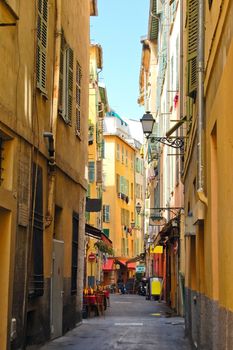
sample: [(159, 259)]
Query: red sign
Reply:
[(91, 257)]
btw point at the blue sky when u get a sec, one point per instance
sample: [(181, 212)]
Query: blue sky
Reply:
[(118, 29)]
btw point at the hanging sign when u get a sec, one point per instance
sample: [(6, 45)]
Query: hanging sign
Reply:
[(156, 250), (91, 257)]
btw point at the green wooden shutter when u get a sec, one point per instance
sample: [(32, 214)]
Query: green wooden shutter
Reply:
[(192, 47), (70, 84), (106, 213), (78, 97), (42, 38), (61, 75), (106, 232), (91, 171)]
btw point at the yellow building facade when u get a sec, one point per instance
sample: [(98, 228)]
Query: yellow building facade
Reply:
[(98, 106), (43, 155), (207, 178), (120, 222)]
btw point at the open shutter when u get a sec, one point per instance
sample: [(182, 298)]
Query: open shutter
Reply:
[(42, 38), (192, 47), (78, 97), (70, 84), (61, 76)]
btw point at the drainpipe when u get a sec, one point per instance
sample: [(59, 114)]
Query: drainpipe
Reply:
[(53, 121), (200, 95)]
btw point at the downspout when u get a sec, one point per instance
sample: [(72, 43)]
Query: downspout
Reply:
[(200, 94), (53, 121)]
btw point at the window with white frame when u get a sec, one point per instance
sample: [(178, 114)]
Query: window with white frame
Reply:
[(106, 213)]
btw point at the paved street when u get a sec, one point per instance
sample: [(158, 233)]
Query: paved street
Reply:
[(131, 323)]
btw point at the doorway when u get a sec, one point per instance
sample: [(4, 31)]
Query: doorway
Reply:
[(57, 289)]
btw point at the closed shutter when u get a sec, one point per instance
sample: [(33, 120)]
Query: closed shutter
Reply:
[(91, 171), (106, 232), (192, 47), (99, 171), (121, 184), (118, 183), (42, 38), (78, 97)]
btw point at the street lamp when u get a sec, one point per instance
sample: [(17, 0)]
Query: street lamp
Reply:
[(147, 126), (138, 208)]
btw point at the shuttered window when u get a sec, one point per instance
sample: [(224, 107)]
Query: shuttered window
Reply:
[(192, 47), (106, 213), (106, 232), (78, 97), (118, 189), (74, 258), (36, 281), (118, 151), (91, 171), (42, 39), (66, 81)]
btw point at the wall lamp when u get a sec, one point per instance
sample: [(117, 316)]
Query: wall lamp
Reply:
[(147, 126), (138, 208)]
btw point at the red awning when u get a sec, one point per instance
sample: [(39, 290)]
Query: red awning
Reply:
[(131, 265), (121, 261), (108, 265)]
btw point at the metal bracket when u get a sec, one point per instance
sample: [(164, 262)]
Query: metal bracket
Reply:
[(175, 142)]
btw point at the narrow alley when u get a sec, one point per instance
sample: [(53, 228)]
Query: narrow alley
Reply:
[(130, 323)]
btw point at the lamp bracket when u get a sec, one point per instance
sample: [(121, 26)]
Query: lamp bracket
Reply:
[(175, 142)]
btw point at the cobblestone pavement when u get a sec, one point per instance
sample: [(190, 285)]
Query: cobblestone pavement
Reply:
[(130, 323)]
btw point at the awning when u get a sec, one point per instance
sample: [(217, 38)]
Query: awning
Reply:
[(92, 231), (121, 261), (108, 265), (131, 265)]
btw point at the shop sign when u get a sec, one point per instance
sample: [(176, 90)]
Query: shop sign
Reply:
[(91, 257), (156, 250), (140, 268)]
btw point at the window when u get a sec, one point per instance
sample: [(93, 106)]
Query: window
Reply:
[(123, 155), (36, 281), (126, 157), (74, 259), (192, 47), (91, 171), (42, 39), (118, 183), (106, 232), (66, 82), (131, 191), (138, 165), (106, 213), (118, 152), (78, 97), (131, 161)]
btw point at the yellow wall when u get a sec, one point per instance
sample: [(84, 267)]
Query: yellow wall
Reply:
[(25, 114), (213, 243)]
